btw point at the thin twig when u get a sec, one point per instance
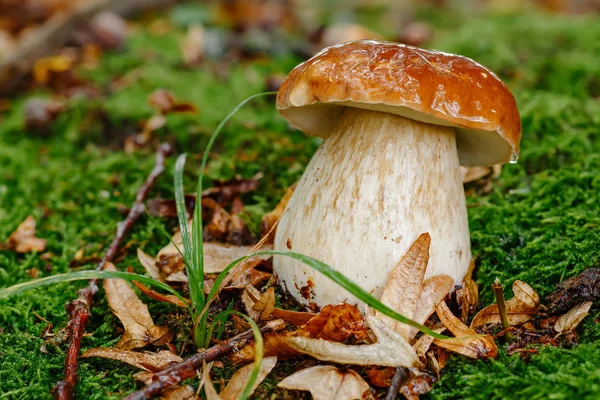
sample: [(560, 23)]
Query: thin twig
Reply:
[(497, 287), (399, 378), (187, 369), (79, 309)]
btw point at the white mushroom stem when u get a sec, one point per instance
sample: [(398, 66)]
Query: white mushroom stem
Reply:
[(375, 184)]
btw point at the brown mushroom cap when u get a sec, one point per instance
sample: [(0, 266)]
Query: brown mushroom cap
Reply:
[(427, 86)]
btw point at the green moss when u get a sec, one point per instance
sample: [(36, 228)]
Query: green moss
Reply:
[(540, 223)]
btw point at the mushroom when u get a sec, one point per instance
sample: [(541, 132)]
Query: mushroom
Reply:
[(396, 122)]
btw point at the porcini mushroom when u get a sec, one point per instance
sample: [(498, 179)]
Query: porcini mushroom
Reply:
[(397, 122)]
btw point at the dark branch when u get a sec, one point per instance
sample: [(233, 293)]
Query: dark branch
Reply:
[(79, 309), (187, 369), (399, 378)]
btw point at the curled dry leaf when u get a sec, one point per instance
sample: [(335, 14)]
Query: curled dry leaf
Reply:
[(218, 256), (251, 296), (406, 293), (133, 314), (165, 102), (224, 192), (238, 381), (326, 382), (165, 298), (23, 240), (467, 342), (468, 295), (336, 323), (149, 264), (268, 221), (391, 348), (521, 308), (151, 362), (274, 345), (569, 321)]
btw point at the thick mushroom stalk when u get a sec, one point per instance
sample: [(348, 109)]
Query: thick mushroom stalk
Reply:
[(375, 184)]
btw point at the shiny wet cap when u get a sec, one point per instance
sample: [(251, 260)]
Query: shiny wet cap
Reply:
[(427, 86)]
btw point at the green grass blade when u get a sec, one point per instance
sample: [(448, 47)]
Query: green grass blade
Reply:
[(86, 275), (197, 223), (194, 277)]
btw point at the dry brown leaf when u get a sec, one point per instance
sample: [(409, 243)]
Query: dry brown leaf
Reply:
[(149, 264), (406, 293), (179, 393), (165, 298), (391, 348), (23, 240), (218, 256), (266, 304), (326, 382), (467, 342), (422, 345), (165, 102), (250, 297), (381, 377), (238, 381), (249, 274), (336, 323), (297, 318), (274, 345), (151, 362), (133, 314), (468, 295), (269, 220), (569, 321), (521, 308), (224, 192)]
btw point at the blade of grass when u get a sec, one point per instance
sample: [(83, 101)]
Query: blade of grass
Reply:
[(85, 275)]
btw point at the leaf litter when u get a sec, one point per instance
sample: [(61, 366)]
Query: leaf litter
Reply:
[(326, 382), (23, 239)]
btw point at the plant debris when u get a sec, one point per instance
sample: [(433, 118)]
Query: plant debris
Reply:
[(569, 321), (238, 381), (521, 308), (140, 330), (467, 296), (326, 382), (406, 293), (581, 288), (23, 240), (151, 362), (467, 342)]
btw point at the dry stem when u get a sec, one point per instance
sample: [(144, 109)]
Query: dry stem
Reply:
[(79, 309)]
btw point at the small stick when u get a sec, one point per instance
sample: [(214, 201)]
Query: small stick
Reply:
[(398, 379), (187, 369), (79, 309), (497, 287)]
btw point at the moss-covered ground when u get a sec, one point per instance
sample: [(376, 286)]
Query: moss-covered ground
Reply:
[(540, 223)]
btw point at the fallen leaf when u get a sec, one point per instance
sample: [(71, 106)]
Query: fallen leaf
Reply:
[(179, 393), (381, 377), (326, 382), (165, 298), (239, 380), (336, 323), (569, 321), (406, 293), (165, 103), (133, 314), (422, 345), (151, 362), (224, 192), (467, 296), (149, 264), (274, 345), (391, 348), (521, 308), (417, 384), (581, 288), (259, 306), (249, 273), (268, 221), (297, 318), (467, 342), (218, 256), (23, 240)]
